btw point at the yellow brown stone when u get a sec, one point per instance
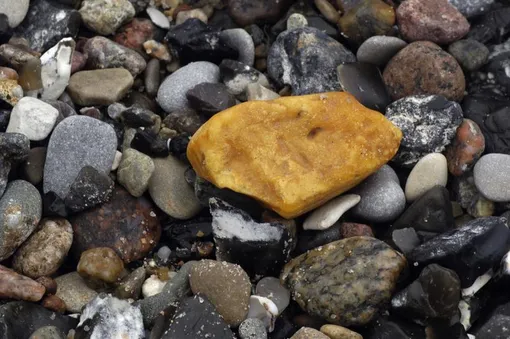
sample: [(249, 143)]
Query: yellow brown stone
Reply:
[(293, 153)]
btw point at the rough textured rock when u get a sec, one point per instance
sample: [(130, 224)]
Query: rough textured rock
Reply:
[(306, 59), (466, 148), (73, 290), (320, 280), (89, 188), (33, 118), (492, 176), (423, 67), (339, 332), (20, 212), (428, 124), (19, 287), (44, 252), (134, 172), (309, 333), (471, 8), (225, 285), (132, 236), (433, 20), (470, 54), (290, 154), (106, 16)]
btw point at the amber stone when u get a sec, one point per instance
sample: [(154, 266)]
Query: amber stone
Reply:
[(30, 75), (101, 263), (293, 153)]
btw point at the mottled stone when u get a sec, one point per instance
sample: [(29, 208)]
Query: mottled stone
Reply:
[(132, 236), (20, 212), (423, 67), (471, 8), (100, 86), (225, 285), (44, 252), (76, 142), (281, 151), (466, 148), (428, 124), (157, 50), (135, 33), (104, 53), (339, 332), (321, 280), (309, 333), (306, 59), (135, 171), (54, 303), (470, 54), (73, 290), (10, 91), (350, 229), (492, 176), (366, 19), (196, 13), (89, 188), (106, 16), (17, 56), (432, 20), (252, 328), (100, 263), (17, 286)]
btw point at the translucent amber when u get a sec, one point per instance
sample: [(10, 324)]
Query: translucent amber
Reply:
[(293, 153)]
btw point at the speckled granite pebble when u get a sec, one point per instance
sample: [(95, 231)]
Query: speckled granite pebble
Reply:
[(492, 176)]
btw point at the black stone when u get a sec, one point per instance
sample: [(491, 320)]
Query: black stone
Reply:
[(257, 34), (261, 249), (14, 146), (470, 54), (5, 30), (405, 239), (365, 82), (136, 116), (90, 188), (322, 25), (308, 58), (150, 143), (185, 236), (311, 239), (204, 190), (57, 21), (492, 26), (5, 168), (431, 213), (443, 330), (196, 318), (428, 124), (19, 319), (435, 294), (495, 326), (196, 41), (393, 328), (5, 115), (178, 147), (183, 121), (470, 251), (209, 99), (54, 206)]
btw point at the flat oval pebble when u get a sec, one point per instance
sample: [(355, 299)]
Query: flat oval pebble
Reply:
[(15, 11), (44, 252), (33, 118), (17, 286), (430, 171), (379, 49), (100, 263), (492, 176), (329, 213), (271, 288), (321, 279)]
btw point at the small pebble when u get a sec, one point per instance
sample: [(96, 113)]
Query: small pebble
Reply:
[(241, 41), (470, 54), (158, 18), (33, 118), (309, 333), (191, 14), (101, 263), (272, 289), (17, 286), (252, 328), (339, 332), (152, 286), (329, 213), (106, 16), (466, 148), (296, 20), (431, 170), (73, 290), (135, 171), (492, 177), (263, 309), (379, 49)]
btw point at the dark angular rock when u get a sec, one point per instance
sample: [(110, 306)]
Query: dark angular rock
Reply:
[(90, 188), (55, 20), (187, 236), (257, 34), (183, 121), (492, 26), (5, 115), (5, 30), (136, 116), (150, 143), (470, 54), (428, 124), (405, 239), (365, 82), (53, 205), (178, 146), (197, 318), (435, 294), (33, 167), (247, 12), (431, 213), (209, 99), (311, 239), (444, 330), (306, 59), (19, 319), (14, 146), (126, 224), (496, 324), (260, 248), (469, 251), (196, 41)]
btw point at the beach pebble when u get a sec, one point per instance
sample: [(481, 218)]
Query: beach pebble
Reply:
[(56, 66), (33, 118), (492, 177), (429, 171), (296, 20), (152, 286), (470, 54), (240, 40), (329, 213), (466, 148), (106, 16), (158, 18), (73, 290), (379, 49), (134, 172), (272, 289), (15, 11), (252, 328)]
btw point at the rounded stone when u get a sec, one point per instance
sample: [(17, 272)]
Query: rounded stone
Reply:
[(492, 177), (172, 92), (33, 118), (241, 41), (133, 34), (432, 20), (326, 215), (252, 328), (135, 171), (296, 20), (44, 252), (379, 49), (33, 167), (126, 224), (422, 67), (430, 171), (100, 263), (339, 332), (20, 212), (271, 288), (466, 148), (73, 290), (350, 229), (470, 54), (54, 303), (48, 332), (15, 11), (309, 333), (106, 16), (226, 286), (170, 191)]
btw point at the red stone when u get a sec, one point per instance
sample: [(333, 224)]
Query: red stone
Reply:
[(54, 303), (466, 148), (351, 229), (78, 62), (17, 286), (135, 33)]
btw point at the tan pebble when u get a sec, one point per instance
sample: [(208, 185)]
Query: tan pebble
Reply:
[(339, 332)]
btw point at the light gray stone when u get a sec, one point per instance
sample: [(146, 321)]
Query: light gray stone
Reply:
[(429, 171), (73, 290), (172, 92), (296, 20), (326, 215), (56, 69), (135, 171), (105, 16), (256, 91), (271, 288), (242, 42), (158, 18), (379, 49), (252, 328), (16, 10), (33, 118), (77, 141), (48, 332), (492, 177)]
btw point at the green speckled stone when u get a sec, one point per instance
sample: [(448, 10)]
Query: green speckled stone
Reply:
[(345, 282)]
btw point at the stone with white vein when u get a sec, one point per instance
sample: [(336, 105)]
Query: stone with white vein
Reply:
[(56, 66), (33, 118), (326, 215)]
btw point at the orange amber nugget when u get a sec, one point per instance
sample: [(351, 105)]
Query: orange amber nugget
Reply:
[(293, 153)]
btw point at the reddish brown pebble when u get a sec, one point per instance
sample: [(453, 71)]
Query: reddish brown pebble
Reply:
[(466, 148), (49, 284), (422, 67), (351, 229), (17, 286), (8, 73), (135, 33), (432, 20), (54, 303), (126, 224), (78, 62)]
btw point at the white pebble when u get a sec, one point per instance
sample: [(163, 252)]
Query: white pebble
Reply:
[(152, 286), (116, 160), (329, 213), (158, 18), (271, 288), (430, 171), (263, 309)]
